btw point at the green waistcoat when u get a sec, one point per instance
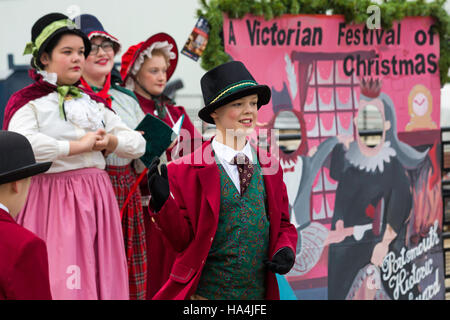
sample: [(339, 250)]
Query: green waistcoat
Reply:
[(234, 268)]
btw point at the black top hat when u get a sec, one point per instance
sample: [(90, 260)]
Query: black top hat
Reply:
[(17, 158), (47, 23), (228, 82)]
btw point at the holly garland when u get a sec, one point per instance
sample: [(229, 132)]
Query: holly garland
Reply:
[(354, 11)]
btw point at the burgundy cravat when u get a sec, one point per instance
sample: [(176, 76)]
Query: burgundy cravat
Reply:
[(245, 169)]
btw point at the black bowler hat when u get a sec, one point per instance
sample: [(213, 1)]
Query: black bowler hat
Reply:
[(49, 26), (228, 82), (17, 158)]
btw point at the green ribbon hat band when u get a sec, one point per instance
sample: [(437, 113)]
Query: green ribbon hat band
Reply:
[(233, 88), (33, 48)]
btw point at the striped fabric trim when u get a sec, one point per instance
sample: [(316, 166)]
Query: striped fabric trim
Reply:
[(233, 87), (106, 35), (102, 34)]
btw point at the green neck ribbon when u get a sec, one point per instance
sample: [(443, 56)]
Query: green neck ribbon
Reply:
[(63, 92)]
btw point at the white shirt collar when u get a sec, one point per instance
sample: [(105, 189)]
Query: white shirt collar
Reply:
[(227, 153), (2, 206)]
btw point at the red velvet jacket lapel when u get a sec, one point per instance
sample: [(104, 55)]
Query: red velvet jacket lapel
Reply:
[(24, 272), (6, 217), (209, 176)]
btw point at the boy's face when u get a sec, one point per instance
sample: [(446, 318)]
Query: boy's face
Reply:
[(238, 117), (23, 189), (16, 193)]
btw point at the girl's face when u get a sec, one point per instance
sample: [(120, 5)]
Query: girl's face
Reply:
[(100, 61), (153, 75), (66, 59)]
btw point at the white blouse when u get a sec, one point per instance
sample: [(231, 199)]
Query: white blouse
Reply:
[(129, 110), (50, 135)]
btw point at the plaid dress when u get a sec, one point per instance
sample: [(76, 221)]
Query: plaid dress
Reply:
[(133, 229)]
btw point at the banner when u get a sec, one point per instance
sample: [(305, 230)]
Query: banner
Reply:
[(362, 169)]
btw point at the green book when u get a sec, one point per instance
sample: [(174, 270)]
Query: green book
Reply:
[(159, 135)]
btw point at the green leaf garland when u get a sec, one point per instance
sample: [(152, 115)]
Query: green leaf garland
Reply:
[(354, 11)]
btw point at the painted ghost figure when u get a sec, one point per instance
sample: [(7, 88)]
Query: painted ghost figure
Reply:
[(373, 197)]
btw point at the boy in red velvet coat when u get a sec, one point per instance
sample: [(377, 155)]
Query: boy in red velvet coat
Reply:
[(224, 208), (23, 263)]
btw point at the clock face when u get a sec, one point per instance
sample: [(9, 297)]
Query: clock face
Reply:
[(420, 104)]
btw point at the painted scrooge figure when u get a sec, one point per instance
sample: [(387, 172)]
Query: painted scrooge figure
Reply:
[(146, 68), (224, 207), (72, 207), (373, 201), (98, 78), (23, 263)]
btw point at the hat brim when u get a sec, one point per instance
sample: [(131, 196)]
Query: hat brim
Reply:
[(86, 41), (158, 37), (262, 91), (24, 172), (106, 35)]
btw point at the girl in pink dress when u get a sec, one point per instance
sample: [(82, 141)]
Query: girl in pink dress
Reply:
[(72, 207)]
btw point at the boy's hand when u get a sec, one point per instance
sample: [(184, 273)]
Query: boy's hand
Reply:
[(282, 261), (158, 185)]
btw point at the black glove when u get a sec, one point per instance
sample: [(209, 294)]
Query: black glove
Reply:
[(282, 261), (158, 184)]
